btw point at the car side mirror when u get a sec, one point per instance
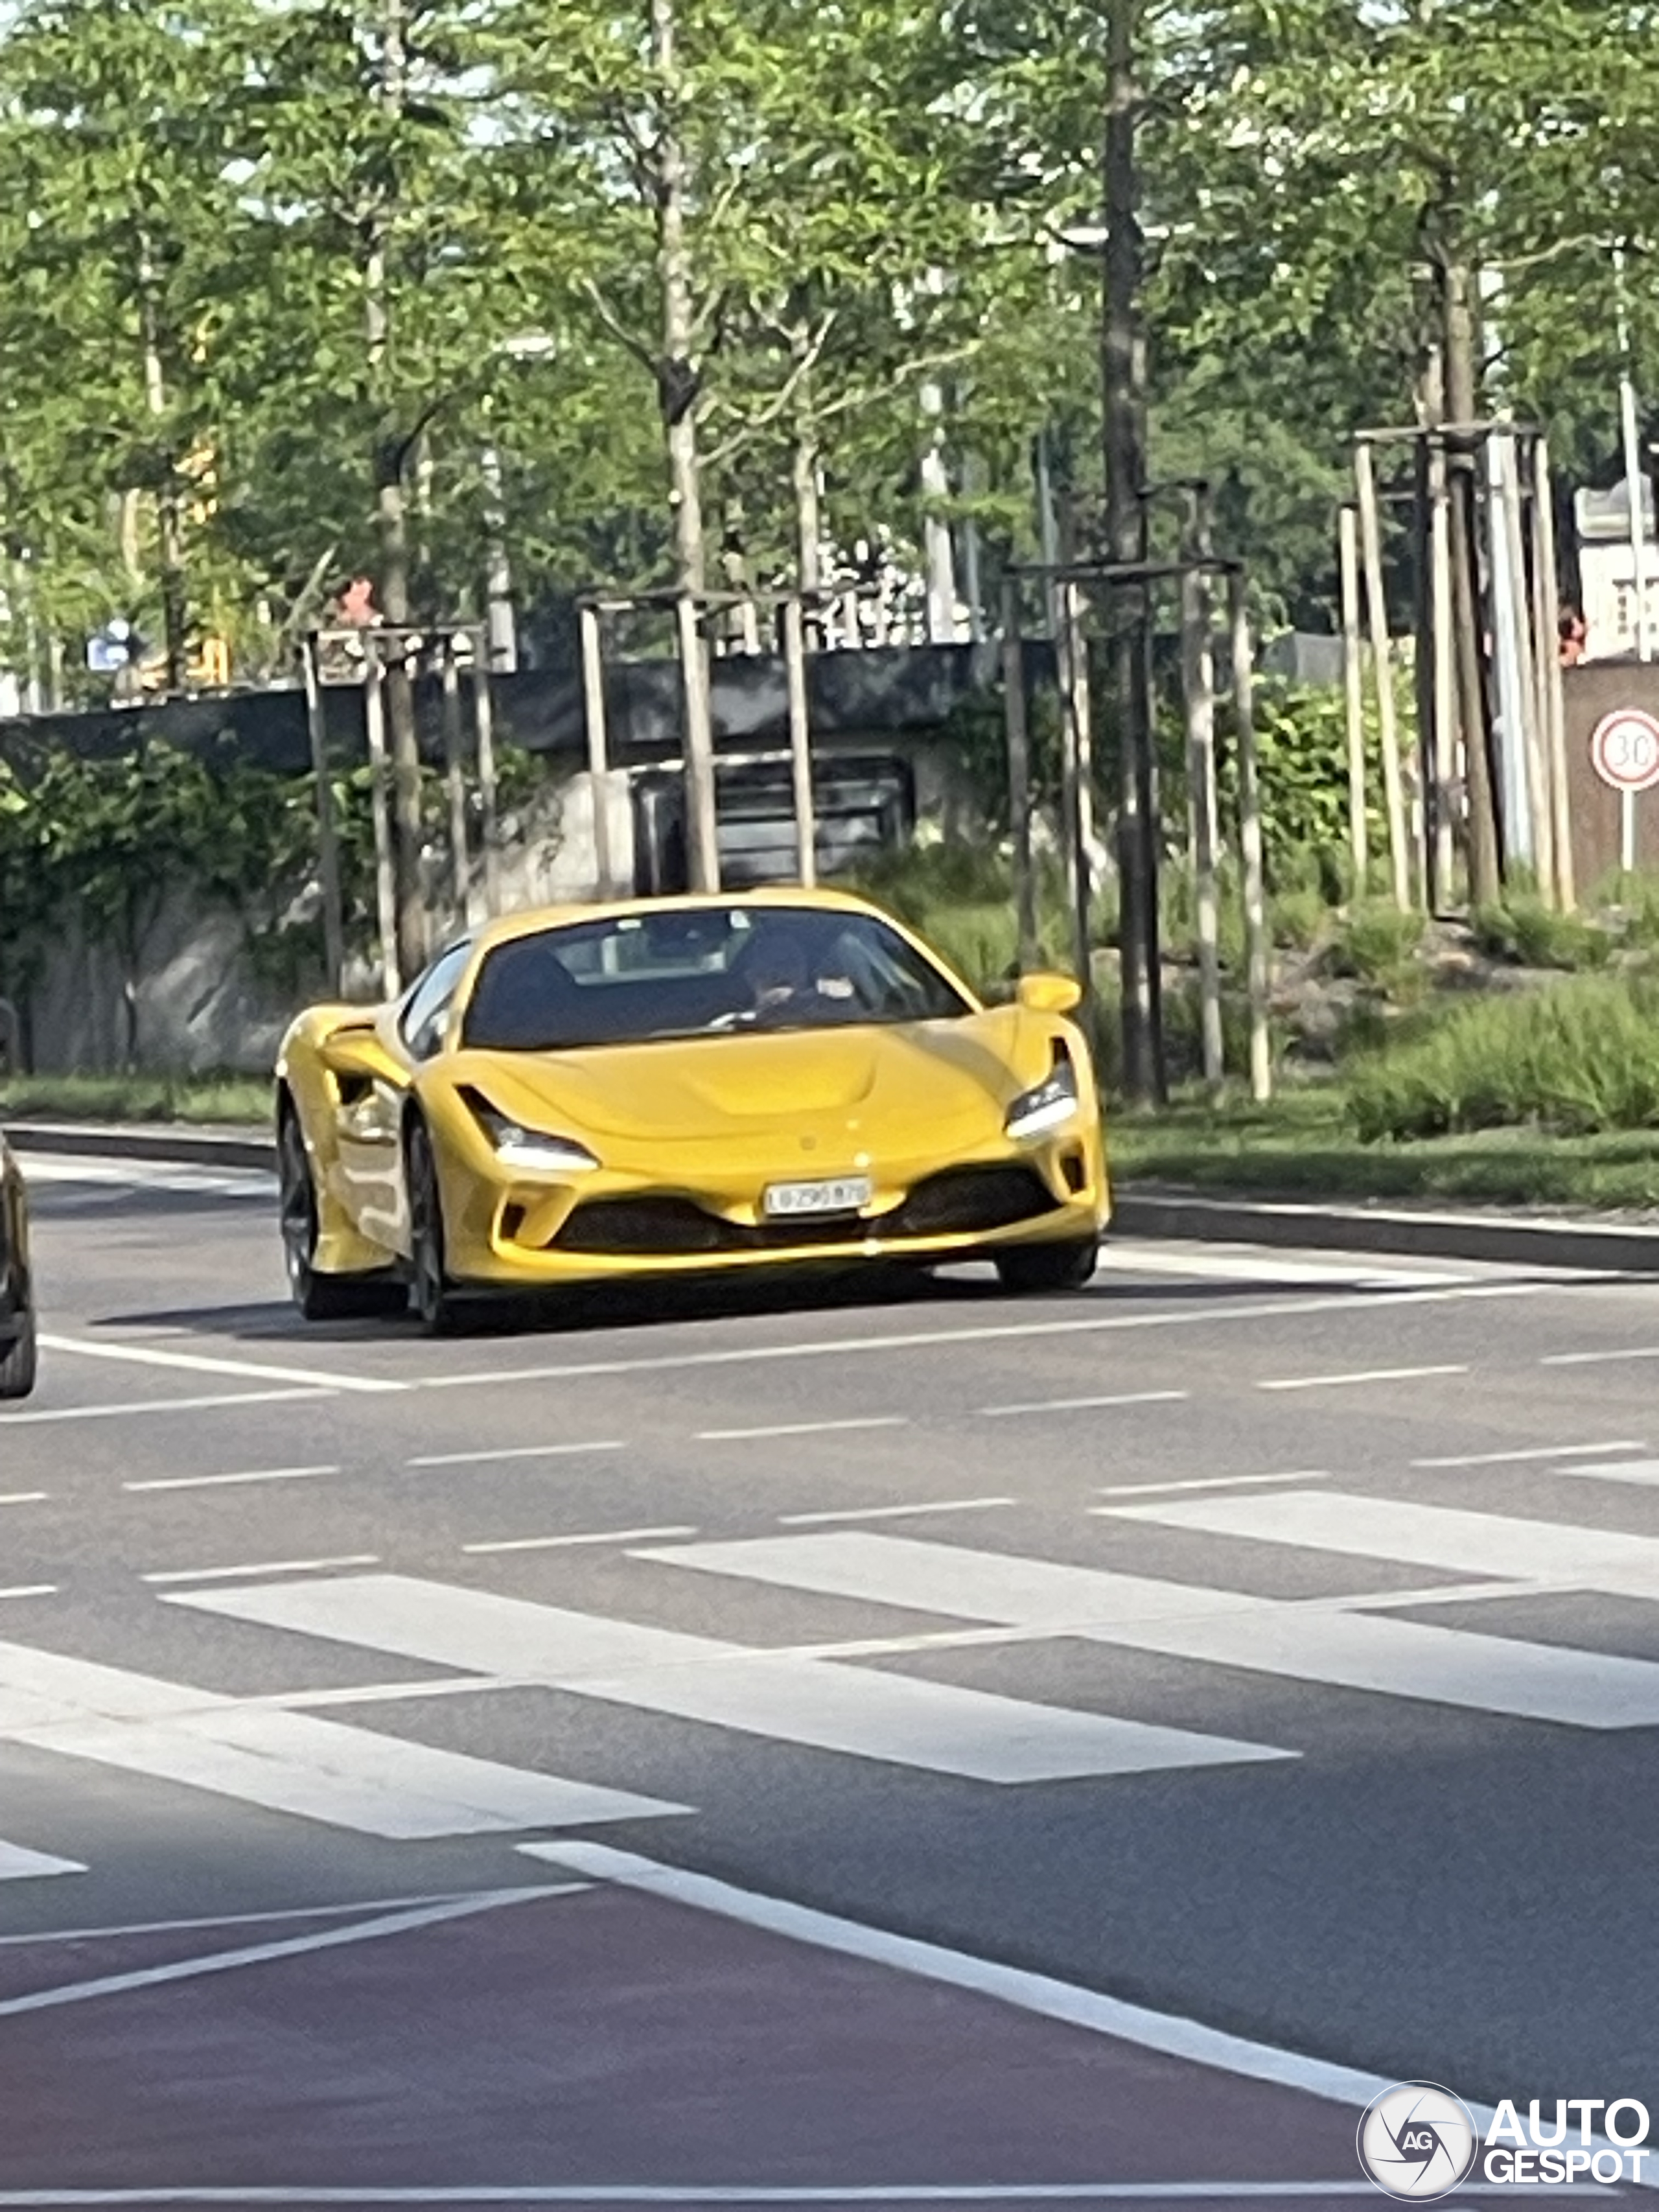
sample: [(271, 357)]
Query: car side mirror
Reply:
[(1045, 993)]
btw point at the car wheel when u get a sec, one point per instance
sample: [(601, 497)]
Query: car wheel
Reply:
[(1049, 1267), (431, 1293), (317, 1297), (18, 1362)]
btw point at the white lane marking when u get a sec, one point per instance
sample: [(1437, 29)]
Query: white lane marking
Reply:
[(1642, 1471), (899, 1718), (23, 1497), (135, 1407), (803, 1428), (1599, 1358), (287, 1947), (1206, 1482), (894, 1512), (219, 1481), (261, 1567), (41, 1939), (31, 1589), (513, 1451), (1316, 1643), (1533, 1451), (1361, 1375), (1035, 1993), (1440, 1536), (1083, 1404), (284, 1762), (998, 1332), (18, 1864), (589, 1536), (198, 1363), (1225, 1263)]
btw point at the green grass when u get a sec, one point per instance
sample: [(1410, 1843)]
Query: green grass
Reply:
[(1525, 930), (1304, 1146), (235, 1098), (1579, 1058)]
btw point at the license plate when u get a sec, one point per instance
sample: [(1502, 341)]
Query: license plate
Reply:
[(782, 1201)]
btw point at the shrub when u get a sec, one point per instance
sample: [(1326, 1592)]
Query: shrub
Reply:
[(1378, 945), (1577, 1057), (1525, 931)]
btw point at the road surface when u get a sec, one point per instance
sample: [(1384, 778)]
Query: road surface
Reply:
[(887, 1738)]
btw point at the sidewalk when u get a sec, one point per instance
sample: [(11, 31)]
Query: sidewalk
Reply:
[(594, 2040)]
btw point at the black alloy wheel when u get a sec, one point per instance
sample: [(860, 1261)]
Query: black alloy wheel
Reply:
[(319, 1296), (431, 1293), (19, 1360), (1066, 1267)]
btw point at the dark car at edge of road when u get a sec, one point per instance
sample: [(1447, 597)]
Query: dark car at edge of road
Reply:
[(17, 1345)]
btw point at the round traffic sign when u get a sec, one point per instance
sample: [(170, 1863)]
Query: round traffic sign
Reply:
[(1624, 748)]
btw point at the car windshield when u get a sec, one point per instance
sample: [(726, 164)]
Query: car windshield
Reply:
[(690, 971)]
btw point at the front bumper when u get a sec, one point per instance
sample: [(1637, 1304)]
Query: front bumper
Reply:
[(529, 1231)]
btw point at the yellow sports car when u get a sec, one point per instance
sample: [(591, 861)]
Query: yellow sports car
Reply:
[(662, 1086)]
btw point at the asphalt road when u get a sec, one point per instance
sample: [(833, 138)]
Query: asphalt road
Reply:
[(1269, 1641)]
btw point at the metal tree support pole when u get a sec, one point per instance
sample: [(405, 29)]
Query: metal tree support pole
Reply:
[(455, 781), (1198, 685), (1019, 773), (328, 842), (1370, 541), (801, 743), (1353, 686), (1078, 714), (1532, 747), (1547, 587), (1444, 672), (702, 834), (483, 727), (1249, 844), (598, 754), (1076, 856), (386, 880)]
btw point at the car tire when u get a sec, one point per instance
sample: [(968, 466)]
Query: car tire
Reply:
[(431, 1293), (1066, 1267), (19, 1361), (317, 1297)]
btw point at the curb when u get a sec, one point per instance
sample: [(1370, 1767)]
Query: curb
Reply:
[(1508, 1241), (159, 1145), (1545, 1241)]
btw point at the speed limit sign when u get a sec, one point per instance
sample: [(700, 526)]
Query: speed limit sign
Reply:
[(1625, 750)]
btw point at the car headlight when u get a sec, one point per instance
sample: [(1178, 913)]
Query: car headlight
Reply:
[(536, 1151), (1049, 1106)]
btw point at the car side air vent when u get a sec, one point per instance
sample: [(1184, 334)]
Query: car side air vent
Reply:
[(1063, 1053)]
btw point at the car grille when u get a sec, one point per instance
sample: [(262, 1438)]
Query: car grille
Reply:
[(960, 1202)]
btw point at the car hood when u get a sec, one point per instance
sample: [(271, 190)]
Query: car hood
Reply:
[(941, 1074)]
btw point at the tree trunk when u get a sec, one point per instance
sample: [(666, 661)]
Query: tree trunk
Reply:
[(392, 525), (677, 387), (175, 604), (805, 458), (1461, 405), (1122, 376)]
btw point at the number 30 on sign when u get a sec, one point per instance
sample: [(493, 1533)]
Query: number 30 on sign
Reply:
[(1625, 750)]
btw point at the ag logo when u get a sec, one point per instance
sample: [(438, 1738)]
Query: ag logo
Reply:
[(1417, 2141)]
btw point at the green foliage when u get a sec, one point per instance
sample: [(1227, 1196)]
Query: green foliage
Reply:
[(198, 1098), (1582, 1055), (960, 897), (1379, 945), (1526, 932)]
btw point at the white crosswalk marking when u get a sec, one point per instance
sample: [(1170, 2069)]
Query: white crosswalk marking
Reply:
[(1643, 1472), (1308, 1643), (1443, 1536), (18, 1864), (902, 1719), (286, 1762)]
